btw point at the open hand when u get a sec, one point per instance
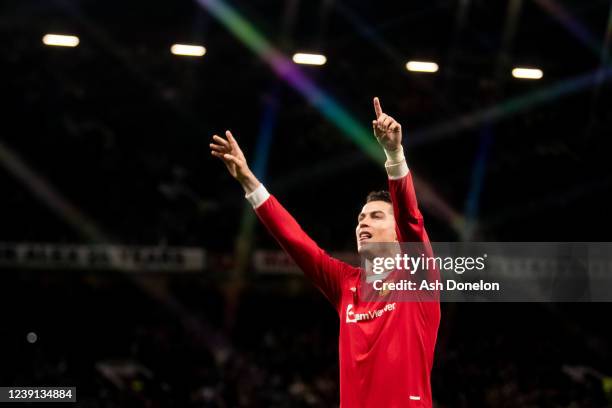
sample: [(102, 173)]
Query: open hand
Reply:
[(230, 154)]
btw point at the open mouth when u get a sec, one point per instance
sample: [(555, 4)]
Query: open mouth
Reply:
[(364, 235)]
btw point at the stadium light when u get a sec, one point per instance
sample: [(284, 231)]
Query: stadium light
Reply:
[(188, 50), (59, 40), (527, 73), (309, 59), (422, 66)]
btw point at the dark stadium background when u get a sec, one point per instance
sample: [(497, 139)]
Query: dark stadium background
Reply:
[(107, 143)]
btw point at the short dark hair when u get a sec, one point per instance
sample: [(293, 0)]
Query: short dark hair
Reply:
[(382, 195)]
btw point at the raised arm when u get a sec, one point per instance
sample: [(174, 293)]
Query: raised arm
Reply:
[(408, 218), (323, 270)]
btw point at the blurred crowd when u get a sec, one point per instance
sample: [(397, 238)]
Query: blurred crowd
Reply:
[(278, 348)]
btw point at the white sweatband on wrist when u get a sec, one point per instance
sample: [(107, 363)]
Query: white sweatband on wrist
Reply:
[(395, 156), (258, 196), (396, 165), (396, 171)]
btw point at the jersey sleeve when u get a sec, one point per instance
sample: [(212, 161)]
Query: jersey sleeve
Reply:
[(408, 218), (409, 221), (324, 271)]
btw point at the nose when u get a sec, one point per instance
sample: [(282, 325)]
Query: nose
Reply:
[(362, 224)]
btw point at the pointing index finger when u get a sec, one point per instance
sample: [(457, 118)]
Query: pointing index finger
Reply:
[(377, 107)]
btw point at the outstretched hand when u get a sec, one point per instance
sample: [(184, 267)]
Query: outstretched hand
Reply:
[(387, 130), (230, 154)]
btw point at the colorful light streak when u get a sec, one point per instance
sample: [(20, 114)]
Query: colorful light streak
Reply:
[(336, 114)]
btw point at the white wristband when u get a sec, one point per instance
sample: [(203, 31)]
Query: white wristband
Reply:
[(395, 156), (258, 196), (396, 165), (396, 171)]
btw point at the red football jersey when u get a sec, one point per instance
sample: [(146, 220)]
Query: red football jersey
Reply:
[(386, 348)]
